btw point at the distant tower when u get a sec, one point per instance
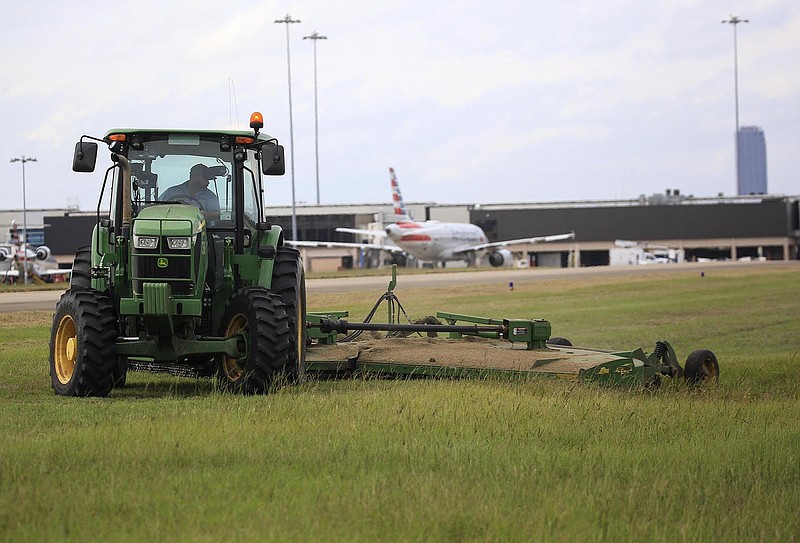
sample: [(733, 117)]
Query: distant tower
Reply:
[(752, 161)]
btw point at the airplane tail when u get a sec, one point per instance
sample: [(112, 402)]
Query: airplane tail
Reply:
[(400, 211)]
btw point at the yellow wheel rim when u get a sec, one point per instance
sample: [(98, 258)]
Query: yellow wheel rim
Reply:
[(66, 349), (230, 366)]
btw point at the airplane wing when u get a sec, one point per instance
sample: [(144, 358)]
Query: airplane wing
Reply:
[(377, 233), (383, 234), (390, 248), (502, 244), (54, 271), (39, 273)]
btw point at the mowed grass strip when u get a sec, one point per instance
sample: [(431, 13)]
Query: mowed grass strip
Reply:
[(495, 459)]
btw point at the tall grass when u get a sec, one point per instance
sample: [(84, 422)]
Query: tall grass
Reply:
[(499, 459)]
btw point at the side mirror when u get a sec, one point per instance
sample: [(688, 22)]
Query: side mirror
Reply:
[(272, 162), (85, 157)]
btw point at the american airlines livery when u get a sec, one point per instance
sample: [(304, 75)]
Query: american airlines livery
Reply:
[(446, 241), (437, 241)]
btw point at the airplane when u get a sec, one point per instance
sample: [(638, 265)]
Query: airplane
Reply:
[(41, 266), (436, 241)]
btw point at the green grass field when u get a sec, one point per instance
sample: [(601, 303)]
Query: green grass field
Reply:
[(373, 460)]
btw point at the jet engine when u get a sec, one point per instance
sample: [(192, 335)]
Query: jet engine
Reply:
[(43, 252), (501, 257)]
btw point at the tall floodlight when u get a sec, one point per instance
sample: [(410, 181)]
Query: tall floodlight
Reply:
[(288, 20), (734, 20), (314, 37), (23, 159)]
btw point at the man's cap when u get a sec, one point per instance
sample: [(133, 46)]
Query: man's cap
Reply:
[(203, 170)]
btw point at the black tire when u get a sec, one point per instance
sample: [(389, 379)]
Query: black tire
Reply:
[(120, 372), (260, 317), (557, 340), (82, 344), (81, 268), (399, 258), (701, 365), (289, 282), (81, 278)]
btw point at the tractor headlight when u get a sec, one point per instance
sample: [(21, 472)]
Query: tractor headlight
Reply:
[(145, 242), (179, 243)]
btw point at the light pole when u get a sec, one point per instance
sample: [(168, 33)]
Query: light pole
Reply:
[(24, 159), (314, 37), (734, 20), (288, 20)]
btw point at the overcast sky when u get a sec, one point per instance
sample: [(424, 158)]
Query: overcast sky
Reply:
[(470, 102)]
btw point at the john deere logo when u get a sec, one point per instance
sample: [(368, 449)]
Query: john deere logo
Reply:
[(162, 262)]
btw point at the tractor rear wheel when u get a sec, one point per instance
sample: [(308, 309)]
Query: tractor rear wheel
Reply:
[(259, 318), (701, 365), (81, 268), (289, 282), (82, 344), (557, 340)]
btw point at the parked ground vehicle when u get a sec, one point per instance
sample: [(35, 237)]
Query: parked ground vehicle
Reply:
[(181, 274)]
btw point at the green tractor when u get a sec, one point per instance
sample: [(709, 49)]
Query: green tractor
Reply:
[(183, 270)]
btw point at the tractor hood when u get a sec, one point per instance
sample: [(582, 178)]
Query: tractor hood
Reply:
[(169, 219)]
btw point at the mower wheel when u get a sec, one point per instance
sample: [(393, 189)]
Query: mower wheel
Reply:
[(259, 319), (289, 282), (81, 267), (701, 365), (557, 340), (82, 344)]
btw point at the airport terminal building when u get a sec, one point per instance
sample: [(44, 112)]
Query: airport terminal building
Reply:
[(714, 228), (736, 227)]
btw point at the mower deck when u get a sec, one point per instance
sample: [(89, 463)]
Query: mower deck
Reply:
[(471, 356)]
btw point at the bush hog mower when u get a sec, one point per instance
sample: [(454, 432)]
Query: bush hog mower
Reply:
[(184, 274), (480, 346)]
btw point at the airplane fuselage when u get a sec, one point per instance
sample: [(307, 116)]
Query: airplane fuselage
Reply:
[(434, 240)]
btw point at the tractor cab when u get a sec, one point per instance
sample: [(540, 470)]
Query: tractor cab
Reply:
[(184, 192), (218, 172)]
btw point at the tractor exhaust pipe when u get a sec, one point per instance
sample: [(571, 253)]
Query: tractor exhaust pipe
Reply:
[(127, 211)]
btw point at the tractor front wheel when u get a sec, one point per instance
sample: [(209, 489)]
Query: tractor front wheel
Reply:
[(258, 318), (82, 344)]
